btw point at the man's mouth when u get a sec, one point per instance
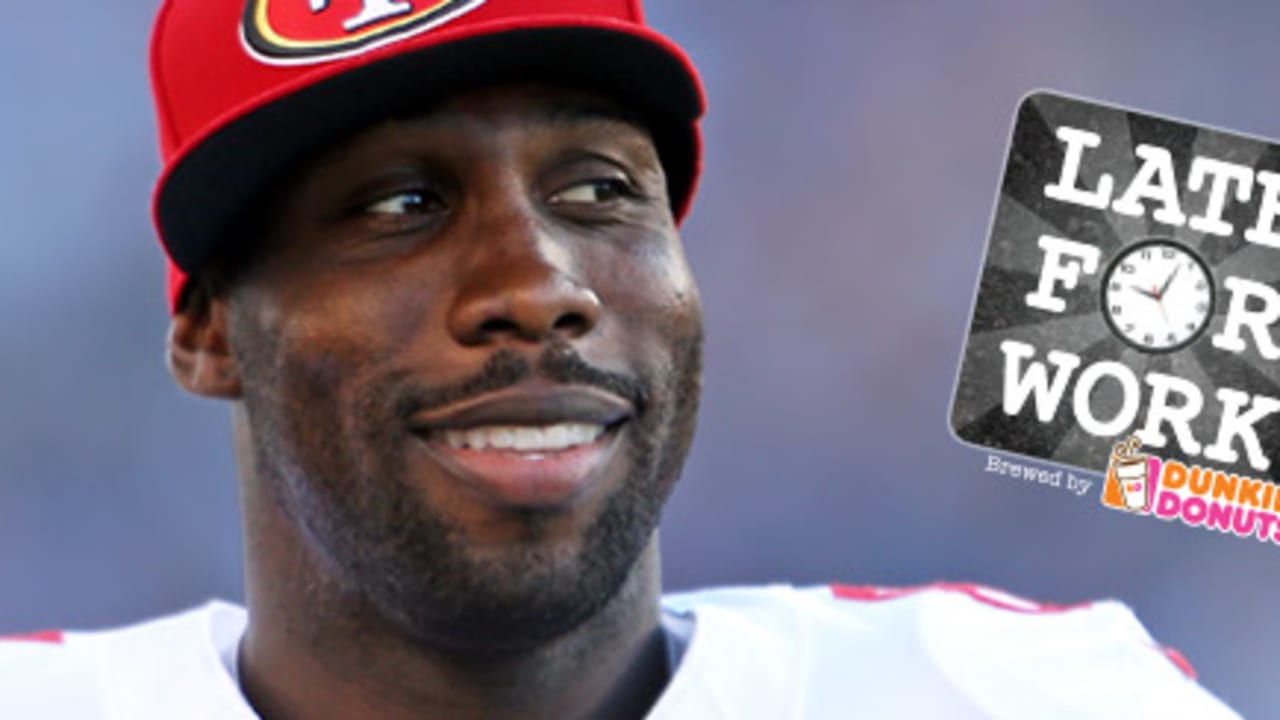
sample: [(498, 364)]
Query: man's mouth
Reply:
[(529, 447), (525, 439)]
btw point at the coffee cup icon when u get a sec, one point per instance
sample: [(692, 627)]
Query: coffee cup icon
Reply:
[(1131, 473)]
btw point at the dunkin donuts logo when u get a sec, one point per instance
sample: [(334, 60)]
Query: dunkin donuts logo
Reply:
[(309, 31), (1130, 478), (1146, 484)]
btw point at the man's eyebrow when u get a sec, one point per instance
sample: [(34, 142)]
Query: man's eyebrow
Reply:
[(555, 112)]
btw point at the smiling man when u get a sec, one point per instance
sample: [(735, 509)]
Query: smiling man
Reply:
[(428, 252), (464, 355)]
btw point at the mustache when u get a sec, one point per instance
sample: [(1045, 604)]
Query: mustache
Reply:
[(507, 367)]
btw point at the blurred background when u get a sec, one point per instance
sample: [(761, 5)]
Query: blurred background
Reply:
[(853, 153)]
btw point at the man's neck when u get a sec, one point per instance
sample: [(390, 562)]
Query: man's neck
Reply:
[(298, 663)]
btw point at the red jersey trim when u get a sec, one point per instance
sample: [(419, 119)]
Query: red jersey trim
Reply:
[(981, 593), (52, 637), (995, 598), (1179, 660)]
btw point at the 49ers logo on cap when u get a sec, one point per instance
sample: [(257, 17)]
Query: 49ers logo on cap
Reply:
[(307, 31)]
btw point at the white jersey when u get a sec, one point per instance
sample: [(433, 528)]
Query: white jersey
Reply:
[(945, 651)]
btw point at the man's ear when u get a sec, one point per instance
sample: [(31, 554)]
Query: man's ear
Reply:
[(199, 353)]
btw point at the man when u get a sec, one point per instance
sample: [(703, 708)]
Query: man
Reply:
[(428, 252)]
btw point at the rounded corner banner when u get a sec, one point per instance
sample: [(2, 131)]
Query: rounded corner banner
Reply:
[(1131, 289)]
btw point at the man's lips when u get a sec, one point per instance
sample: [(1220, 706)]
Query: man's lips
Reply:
[(534, 446), (527, 404)]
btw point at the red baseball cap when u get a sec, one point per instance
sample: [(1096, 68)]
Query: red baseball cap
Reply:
[(246, 88)]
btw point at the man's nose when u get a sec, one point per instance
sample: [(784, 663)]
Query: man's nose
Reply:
[(520, 286)]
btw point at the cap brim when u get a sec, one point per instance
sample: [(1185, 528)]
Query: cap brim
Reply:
[(204, 190)]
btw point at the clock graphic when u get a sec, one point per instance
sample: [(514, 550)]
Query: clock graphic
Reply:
[(1157, 295)]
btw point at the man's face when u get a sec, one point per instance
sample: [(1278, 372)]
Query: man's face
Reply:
[(470, 359)]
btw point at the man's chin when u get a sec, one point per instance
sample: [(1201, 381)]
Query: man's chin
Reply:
[(506, 604)]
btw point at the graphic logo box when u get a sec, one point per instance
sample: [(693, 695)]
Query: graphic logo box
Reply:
[(1131, 286)]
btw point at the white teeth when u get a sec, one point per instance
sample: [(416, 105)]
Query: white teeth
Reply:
[(528, 439), (502, 438), (558, 436), (477, 439), (525, 438)]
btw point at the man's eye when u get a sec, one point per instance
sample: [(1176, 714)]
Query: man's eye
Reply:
[(592, 192), (412, 202)]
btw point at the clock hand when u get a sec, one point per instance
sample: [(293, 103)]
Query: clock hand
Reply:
[(1168, 282), (1146, 292)]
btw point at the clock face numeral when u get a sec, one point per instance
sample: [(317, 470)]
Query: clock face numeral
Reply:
[(1163, 292)]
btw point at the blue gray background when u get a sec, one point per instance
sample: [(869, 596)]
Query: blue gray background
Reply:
[(854, 151)]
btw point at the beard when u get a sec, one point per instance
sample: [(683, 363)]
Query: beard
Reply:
[(333, 455)]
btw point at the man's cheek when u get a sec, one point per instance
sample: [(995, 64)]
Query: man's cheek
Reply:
[(664, 288), (662, 297), (328, 344)]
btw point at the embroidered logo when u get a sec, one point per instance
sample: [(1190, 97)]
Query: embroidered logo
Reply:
[(288, 32)]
